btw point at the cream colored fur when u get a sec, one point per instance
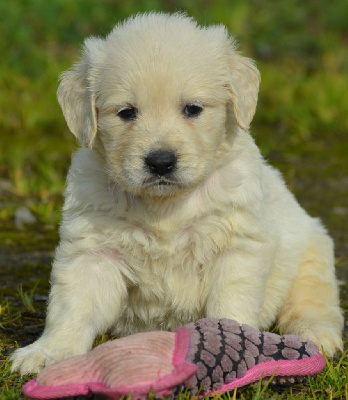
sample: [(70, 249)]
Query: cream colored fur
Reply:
[(225, 239)]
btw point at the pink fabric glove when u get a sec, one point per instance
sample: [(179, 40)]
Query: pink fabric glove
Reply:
[(210, 356)]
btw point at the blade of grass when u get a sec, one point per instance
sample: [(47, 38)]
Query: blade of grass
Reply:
[(27, 297)]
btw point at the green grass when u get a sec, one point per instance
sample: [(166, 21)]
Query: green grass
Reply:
[(332, 383), (301, 125)]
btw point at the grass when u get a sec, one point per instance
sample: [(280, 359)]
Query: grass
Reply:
[(27, 297), (25, 310), (300, 125), (332, 383)]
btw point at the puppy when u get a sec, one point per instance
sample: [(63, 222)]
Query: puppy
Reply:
[(171, 214)]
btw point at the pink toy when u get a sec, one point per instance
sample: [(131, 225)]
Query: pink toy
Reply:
[(210, 356)]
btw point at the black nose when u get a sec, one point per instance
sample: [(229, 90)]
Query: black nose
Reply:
[(161, 162)]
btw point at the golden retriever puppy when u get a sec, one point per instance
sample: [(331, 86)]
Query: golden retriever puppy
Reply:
[(171, 214)]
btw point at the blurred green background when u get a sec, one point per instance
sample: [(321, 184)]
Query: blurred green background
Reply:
[(300, 48)]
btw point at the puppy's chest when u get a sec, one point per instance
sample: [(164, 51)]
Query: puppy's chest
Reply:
[(154, 249), (169, 270), (162, 259), (168, 273)]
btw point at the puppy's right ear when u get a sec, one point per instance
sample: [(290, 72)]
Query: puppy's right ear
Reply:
[(76, 93)]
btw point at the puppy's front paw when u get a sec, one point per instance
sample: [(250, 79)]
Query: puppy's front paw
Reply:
[(30, 359), (331, 343), (33, 358), (45, 351), (327, 338)]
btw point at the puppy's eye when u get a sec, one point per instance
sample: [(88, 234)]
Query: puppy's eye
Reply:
[(128, 113), (193, 110)]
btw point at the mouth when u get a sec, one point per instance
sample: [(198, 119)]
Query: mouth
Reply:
[(161, 181)]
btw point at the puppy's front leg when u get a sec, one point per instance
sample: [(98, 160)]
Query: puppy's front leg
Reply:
[(85, 299), (238, 285)]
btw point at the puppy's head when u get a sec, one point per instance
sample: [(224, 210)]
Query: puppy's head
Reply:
[(163, 97)]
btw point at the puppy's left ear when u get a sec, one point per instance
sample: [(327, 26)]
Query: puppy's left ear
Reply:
[(243, 88), (77, 91)]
